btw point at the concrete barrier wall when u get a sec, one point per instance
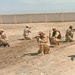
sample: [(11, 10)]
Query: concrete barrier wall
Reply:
[(37, 18)]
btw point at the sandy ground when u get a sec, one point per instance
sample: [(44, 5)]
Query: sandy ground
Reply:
[(21, 57)]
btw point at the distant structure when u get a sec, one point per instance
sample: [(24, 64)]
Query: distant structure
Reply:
[(37, 18)]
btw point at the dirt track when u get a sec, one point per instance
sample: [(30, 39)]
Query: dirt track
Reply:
[(22, 59)]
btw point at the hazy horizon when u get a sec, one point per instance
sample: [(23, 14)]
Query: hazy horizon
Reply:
[(36, 6)]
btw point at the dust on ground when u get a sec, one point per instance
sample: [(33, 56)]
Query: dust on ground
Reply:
[(21, 57)]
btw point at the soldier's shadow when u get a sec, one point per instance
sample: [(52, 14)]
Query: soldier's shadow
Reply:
[(30, 54), (21, 39), (24, 39), (72, 57), (52, 46)]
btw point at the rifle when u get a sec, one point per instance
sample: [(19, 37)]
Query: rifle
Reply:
[(36, 37), (50, 36)]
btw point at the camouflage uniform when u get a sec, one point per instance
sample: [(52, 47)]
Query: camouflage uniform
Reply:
[(4, 39), (55, 38), (69, 35), (44, 48), (26, 32)]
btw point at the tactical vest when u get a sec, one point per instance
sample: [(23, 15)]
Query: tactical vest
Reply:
[(54, 33)]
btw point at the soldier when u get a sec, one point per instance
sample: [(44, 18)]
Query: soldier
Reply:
[(56, 36), (26, 32), (43, 39), (3, 39), (69, 34)]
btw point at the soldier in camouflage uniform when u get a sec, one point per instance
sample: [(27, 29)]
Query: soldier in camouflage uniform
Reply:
[(3, 39), (26, 32), (69, 34), (56, 36), (43, 39)]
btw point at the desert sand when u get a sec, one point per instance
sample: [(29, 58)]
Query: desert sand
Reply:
[(21, 57)]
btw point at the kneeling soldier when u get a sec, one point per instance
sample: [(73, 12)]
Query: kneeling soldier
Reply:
[(43, 39), (3, 39), (56, 36), (69, 34)]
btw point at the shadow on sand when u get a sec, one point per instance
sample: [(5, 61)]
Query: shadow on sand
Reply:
[(21, 39), (72, 57), (52, 46), (24, 39), (30, 54)]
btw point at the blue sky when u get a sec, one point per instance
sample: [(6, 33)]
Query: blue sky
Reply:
[(36, 6)]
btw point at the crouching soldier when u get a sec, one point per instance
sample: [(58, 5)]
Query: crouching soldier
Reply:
[(3, 39), (69, 34), (55, 37), (26, 32), (43, 39)]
